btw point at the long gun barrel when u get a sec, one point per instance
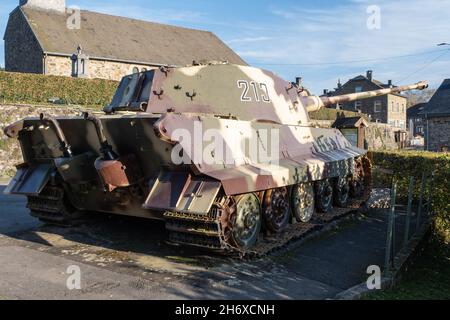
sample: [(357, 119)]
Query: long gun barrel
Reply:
[(315, 103)]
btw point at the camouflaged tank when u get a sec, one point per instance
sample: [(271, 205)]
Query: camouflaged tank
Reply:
[(223, 153)]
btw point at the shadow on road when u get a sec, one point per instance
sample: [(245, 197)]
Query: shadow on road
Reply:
[(317, 269)]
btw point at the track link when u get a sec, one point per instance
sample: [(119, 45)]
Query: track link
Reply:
[(50, 206), (208, 235)]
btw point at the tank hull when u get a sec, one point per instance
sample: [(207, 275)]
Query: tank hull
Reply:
[(224, 154), (310, 154)]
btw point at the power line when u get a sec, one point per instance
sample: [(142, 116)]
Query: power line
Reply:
[(425, 66), (349, 61)]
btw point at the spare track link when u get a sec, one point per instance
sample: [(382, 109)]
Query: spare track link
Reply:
[(205, 231), (50, 206)]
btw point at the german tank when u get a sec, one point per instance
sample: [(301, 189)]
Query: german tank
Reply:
[(224, 154)]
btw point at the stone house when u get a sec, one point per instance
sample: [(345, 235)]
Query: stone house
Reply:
[(416, 120), (43, 36), (437, 118), (389, 109)]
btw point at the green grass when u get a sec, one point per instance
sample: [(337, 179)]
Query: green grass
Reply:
[(427, 279)]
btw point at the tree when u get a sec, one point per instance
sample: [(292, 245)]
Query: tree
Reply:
[(416, 97)]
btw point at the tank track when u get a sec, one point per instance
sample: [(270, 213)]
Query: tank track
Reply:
[(205, 231), (50, 206), (202, 231)]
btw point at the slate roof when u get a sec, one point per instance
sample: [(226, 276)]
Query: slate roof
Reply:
[(378, 85), (415, 110), (125, 39), (439, 105), (351, 122)]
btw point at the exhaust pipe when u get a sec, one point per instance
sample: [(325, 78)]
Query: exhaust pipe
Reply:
[(64, 146), (106, 149)]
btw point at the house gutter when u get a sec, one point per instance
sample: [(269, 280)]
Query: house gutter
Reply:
[(65, 55)]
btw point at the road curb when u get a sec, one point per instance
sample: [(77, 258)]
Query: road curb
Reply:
[(402, 261)]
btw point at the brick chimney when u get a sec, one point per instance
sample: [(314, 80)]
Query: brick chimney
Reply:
[(51, 5), (390, 83), (369, 75)]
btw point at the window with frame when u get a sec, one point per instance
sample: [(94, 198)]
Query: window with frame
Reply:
[(358, 89), (358, 105), (378, 106)]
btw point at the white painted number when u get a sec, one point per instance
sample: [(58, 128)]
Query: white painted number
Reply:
[(260, 91), (244, 84), (265, 97)]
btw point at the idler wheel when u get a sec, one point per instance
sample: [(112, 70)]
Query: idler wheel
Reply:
[(277, 209), (324, 196), (303, 203), (341, 192), (244, 221)]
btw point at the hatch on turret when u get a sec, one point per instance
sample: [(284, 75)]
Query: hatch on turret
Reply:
[(133, 93)]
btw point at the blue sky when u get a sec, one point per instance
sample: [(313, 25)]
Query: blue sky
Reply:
[(319, 40)]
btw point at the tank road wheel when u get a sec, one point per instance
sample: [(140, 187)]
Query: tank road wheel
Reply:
[(242, 224), (277, 210), (341, 192), (303, 202), (324, 196)]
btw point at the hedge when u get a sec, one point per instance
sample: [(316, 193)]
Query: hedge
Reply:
[(333, 114), (413, 163), (40, 89)]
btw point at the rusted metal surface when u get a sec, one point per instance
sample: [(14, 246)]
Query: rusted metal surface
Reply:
[(120, 173)]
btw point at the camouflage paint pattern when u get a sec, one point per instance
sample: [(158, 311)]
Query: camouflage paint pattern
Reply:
[(149, 107)]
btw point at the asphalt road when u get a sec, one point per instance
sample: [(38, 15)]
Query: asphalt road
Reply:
[(126, 258)]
